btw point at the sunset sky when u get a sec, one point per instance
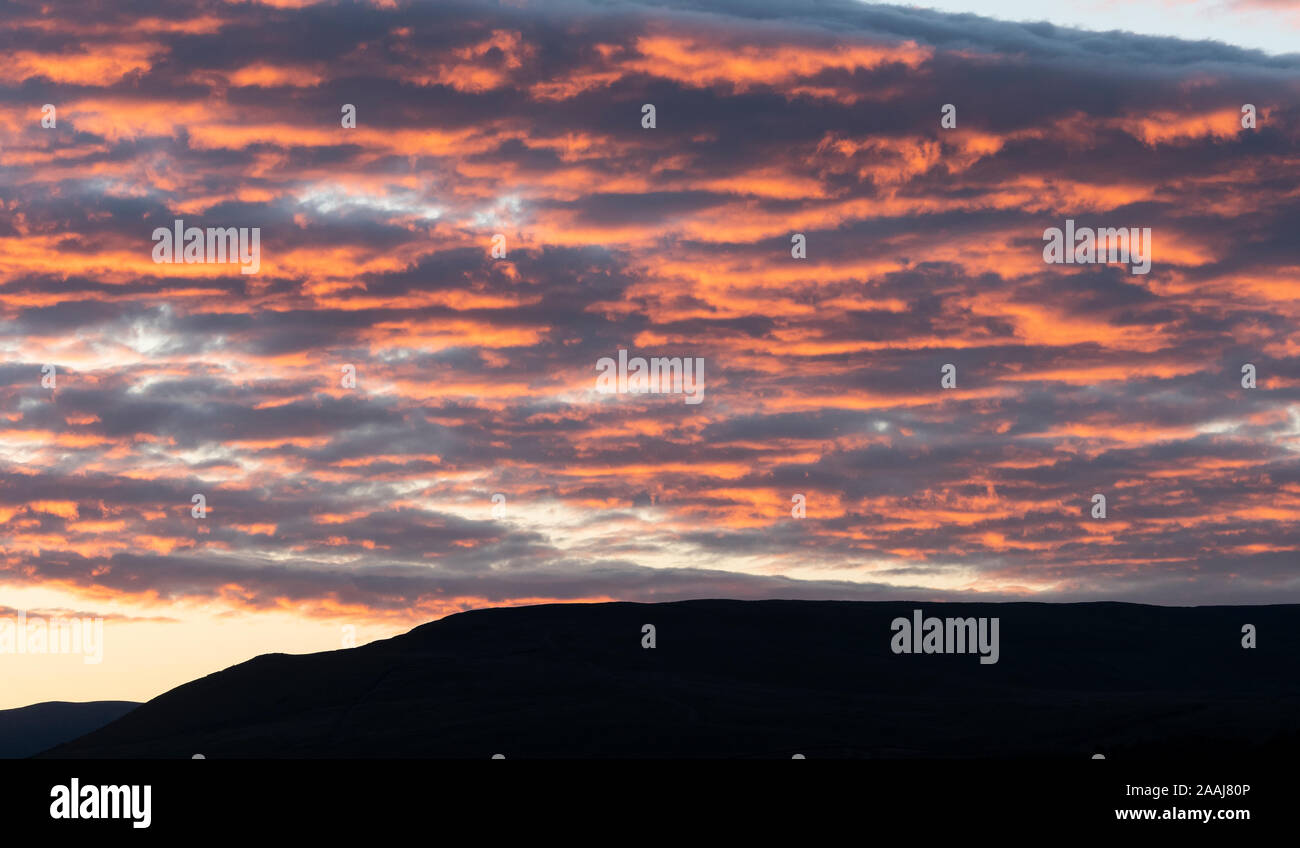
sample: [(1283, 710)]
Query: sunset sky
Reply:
[(371, 507)]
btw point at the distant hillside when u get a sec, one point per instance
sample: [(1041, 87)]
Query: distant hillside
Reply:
[(29, 730), (751, 679)]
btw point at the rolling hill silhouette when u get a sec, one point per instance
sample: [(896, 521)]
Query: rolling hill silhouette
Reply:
[(29, 730), (750, 679)]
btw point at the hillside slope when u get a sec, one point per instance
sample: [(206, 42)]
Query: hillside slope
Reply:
[(750, 679), (29, 730)]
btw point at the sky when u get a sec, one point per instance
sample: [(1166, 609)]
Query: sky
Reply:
[(340, 512), (1272, 26)]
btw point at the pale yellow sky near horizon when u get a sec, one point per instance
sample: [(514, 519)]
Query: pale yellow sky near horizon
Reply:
[(200, 642)]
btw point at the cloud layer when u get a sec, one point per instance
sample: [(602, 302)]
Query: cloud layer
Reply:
[(475, 374)]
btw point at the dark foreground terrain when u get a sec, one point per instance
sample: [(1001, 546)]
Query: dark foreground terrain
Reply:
[(30, 730), (751, 679)]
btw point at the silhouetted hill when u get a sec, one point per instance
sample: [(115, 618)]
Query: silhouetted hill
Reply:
[(29, 730), (750, 679)]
